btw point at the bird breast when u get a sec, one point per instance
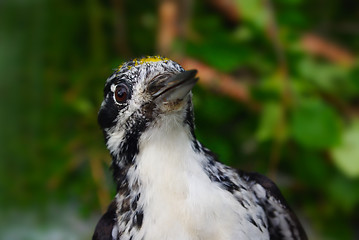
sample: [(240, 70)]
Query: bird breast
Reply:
[(179, 200)]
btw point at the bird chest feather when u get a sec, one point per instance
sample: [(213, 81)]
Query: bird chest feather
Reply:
[(178, 199)]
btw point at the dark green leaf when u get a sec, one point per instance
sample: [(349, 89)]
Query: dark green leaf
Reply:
[(314, 124)]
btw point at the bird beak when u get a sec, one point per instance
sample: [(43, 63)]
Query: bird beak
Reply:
[(174, 88)]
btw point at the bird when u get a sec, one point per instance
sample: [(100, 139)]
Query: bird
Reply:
[(168, 185)]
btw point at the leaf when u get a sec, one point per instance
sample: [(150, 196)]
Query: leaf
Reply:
[(312, 168), (315, 125), (270, 125), (82, 106), (291, 2), (343, 192), (215, 109), (346, 155), (330, 78), (220, 52), (254, 11)]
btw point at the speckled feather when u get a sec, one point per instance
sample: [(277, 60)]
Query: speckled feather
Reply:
[(168, 185)]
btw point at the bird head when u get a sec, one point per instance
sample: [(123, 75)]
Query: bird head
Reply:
[(140, 94)]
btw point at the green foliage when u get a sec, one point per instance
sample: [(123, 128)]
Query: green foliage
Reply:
[(314, 124), (254, 12), (329, 78), (270, 125), (346, 155), (55, 57)]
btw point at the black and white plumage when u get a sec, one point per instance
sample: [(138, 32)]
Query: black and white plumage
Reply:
[(168, 185)]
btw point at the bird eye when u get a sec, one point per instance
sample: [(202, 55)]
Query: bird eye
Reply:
[(121, 93)]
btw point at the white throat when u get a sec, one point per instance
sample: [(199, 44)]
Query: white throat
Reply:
[(179, 200)]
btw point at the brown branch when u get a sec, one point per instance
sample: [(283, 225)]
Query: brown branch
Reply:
[(174, 16), (223, 83), (168, 14), (228, 9), (345, 109), (318, 46), (120, 38), (273, 33)]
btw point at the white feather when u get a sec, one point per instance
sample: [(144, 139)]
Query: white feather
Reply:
[(178, 198)]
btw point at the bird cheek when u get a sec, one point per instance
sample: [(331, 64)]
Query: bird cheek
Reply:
[(107, 116)]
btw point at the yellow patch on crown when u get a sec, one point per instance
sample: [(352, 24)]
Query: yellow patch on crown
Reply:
[(148, 59)]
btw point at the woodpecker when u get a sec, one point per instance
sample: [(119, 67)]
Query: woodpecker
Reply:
[(169, 186)]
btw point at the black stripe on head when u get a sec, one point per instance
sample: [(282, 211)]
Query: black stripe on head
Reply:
[(110, 109)]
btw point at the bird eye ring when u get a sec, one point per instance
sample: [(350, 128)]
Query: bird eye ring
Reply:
[(121, 93)]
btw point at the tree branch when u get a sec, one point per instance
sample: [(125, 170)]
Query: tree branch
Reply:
[(318, 46), (223, 83)]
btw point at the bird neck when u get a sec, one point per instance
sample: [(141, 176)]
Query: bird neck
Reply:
[(169, 146), (149, 164), (167, 134), (172, 169)]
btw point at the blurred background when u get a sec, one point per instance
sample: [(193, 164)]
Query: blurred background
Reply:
[(278, 94)]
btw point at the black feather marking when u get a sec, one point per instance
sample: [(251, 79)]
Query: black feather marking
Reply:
[(128, 150), (125, 207), (263, 223), (251, 220), (103, 230), (272, 192), (291, 227), (107, 115), (189, 118), (134, 205), (134, 202), (138, 219), (122, 182), (241, 202), (126, 217)]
